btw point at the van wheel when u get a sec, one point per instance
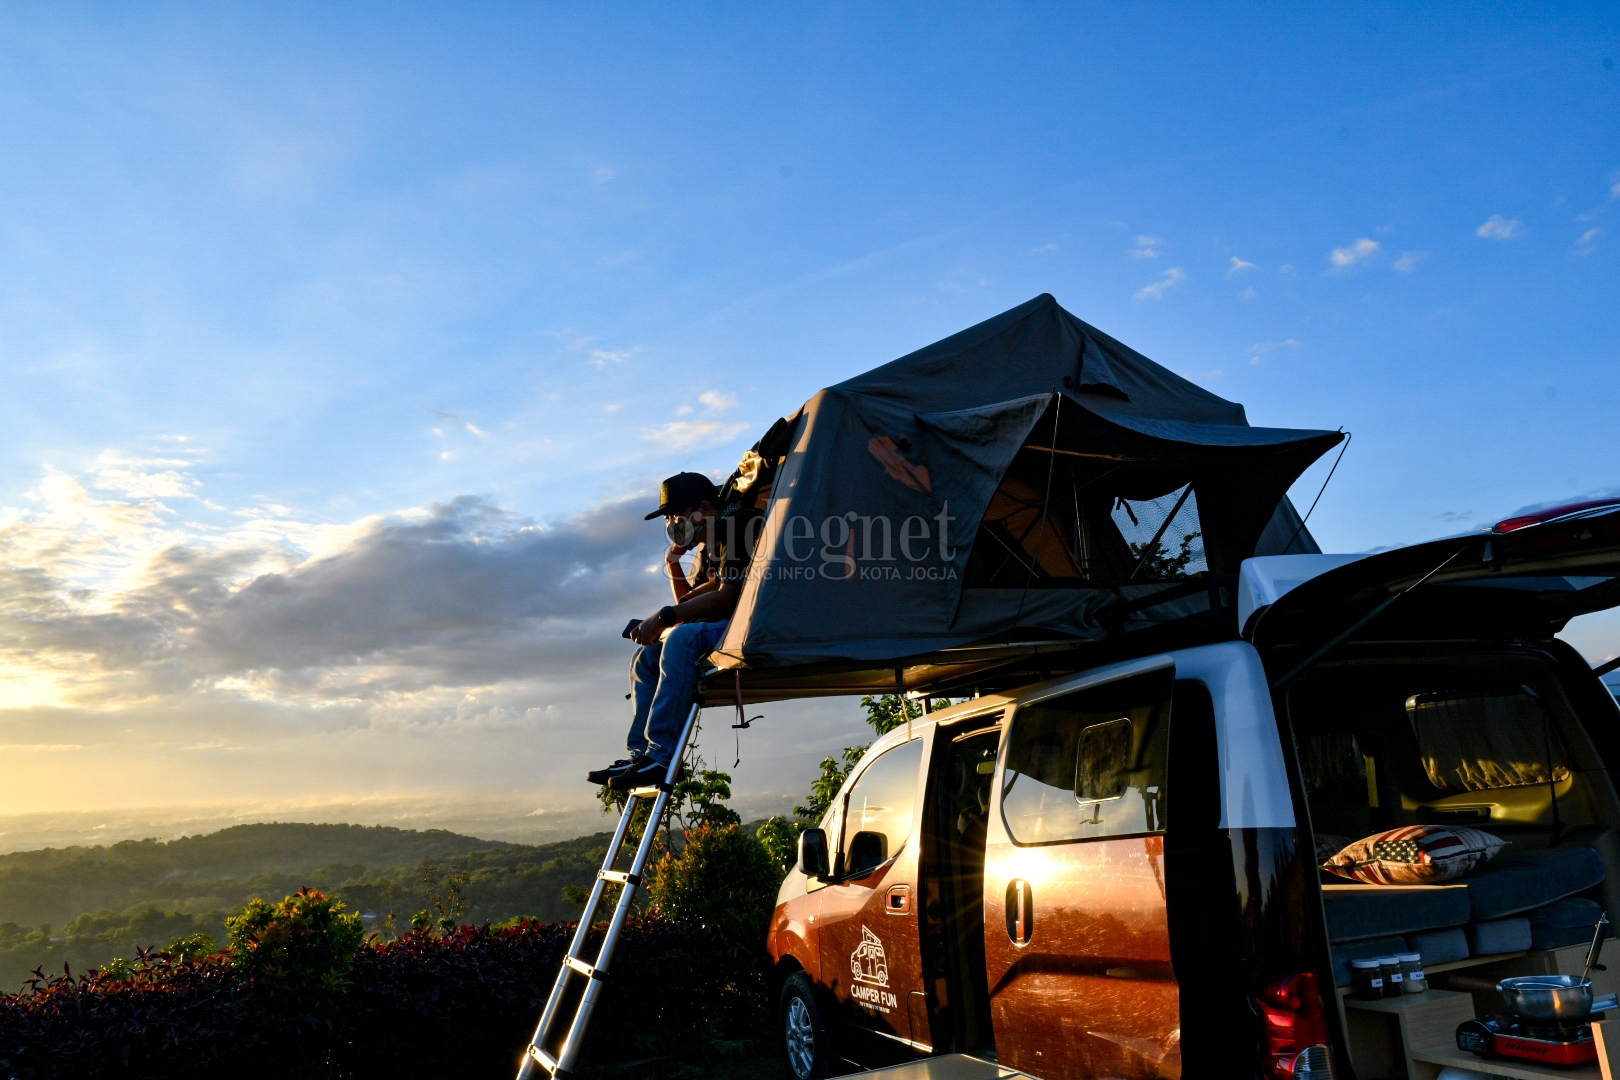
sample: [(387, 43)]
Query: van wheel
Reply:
[(804, 1039)]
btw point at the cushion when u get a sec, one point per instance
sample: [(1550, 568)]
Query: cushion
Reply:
[(1362, 950), (1415, 855), (1329, 845), (1371, 912), (1519, 881), (1498, 936), (1439, 946), (1563, 922)]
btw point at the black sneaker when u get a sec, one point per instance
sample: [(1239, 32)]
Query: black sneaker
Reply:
[(603, 776), (644, 773)]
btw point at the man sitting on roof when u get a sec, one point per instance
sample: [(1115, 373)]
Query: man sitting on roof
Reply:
[(676, 640)]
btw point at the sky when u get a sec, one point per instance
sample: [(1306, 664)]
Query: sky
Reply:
[(343, 350)]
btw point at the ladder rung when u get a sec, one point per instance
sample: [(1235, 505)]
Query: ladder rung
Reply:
[(623, 877), (547, 1062), (584, 969), (649, 791)]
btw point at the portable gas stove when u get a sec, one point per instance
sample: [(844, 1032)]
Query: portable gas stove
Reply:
[(1548, 1041)]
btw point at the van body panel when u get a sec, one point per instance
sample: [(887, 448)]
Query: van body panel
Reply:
[(1254, 775)]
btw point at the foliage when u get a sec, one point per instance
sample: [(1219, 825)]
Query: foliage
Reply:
[(723, 880), (824, 788), (780, 839), (193, 946), (301, 947), (1159, 563)]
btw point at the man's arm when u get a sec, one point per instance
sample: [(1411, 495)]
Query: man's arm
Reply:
[(709, 602), (677, 576)]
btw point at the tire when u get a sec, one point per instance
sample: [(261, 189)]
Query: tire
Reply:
[(806, 1049)]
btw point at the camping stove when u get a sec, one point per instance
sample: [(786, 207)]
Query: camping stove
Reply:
[(1529, 1040)]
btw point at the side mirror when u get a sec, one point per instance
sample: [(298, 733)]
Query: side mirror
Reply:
[(813, 860)]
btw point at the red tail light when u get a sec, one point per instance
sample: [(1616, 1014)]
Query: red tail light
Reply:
[(1573, 509), (1296, 1028)]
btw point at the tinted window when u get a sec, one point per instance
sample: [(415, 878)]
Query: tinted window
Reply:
[(1089, 764), (878, 809)]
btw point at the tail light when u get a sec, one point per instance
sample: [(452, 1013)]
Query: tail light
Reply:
[(1296, 1029), (1580, 509)]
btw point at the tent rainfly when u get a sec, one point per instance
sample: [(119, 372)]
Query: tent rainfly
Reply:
[(1028, 478)]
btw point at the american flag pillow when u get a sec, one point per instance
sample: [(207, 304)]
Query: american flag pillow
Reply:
[(1415, 855)]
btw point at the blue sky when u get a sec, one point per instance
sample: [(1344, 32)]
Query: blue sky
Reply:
[(273, 283)]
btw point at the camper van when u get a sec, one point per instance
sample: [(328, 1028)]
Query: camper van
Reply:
[(1107, 863)]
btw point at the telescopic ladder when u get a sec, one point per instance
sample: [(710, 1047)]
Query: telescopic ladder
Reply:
[(544, 1053)]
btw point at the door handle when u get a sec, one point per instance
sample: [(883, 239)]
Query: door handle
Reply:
[(899, 900), (1020, 911)]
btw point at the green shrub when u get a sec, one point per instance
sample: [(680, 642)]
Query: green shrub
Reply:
[(723, 881), (780, 838), (300, 948), (202, 943)]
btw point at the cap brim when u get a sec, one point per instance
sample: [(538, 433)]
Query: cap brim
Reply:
[(661, 511)]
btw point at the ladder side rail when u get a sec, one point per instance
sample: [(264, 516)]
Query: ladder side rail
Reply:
[(604, 956), (577, 946)]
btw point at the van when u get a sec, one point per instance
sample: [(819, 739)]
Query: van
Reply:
[(1107, 864)]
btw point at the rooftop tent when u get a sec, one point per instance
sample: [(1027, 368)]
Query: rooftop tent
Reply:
[(1028, 478)]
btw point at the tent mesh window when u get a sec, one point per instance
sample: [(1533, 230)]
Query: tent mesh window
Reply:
[(1162, 534)]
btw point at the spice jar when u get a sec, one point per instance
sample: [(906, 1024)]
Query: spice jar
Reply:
[(1389, 969), (1366, 982), (1413, 980)]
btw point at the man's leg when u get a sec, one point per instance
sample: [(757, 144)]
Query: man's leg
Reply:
[(643, 681), (686, 650)]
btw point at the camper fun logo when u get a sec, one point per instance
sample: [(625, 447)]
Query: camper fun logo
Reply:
[(870, 969)]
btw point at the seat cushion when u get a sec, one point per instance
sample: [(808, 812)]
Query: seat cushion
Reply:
[(1498, 936), (1563, 922), (1518, 881), (1415, 855), (1439, 946), (1362, 950), (1354, 914)]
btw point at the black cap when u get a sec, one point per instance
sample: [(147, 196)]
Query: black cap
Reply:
[(683, 491)]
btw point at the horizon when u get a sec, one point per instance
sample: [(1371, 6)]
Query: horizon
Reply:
[(346, 349)]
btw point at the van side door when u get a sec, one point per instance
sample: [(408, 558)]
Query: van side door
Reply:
[(867, 925), (1077, 942)]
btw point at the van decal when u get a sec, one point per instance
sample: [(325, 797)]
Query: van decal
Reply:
[(870, 967)]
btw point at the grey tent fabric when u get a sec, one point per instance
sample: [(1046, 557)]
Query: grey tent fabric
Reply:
[(930, 502)]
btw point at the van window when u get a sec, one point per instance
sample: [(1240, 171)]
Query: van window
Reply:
[(1479, 742), (878, 809), (1089, 764)]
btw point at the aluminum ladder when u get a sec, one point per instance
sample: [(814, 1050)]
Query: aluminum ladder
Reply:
[(537, 1058)]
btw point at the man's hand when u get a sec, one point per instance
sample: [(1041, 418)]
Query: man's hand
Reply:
[(673, 557), (649, 630)]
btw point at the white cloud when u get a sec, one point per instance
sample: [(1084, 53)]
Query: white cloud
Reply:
[(1614, 192), (1172, 277), (1588, 236), (1248, 294), (1286, 268), (1360, 251), (474, 429), (142, 478), (601, 358), (1260, 348), (1147, 247), (1498, 227), (604, 173), (686, 434), (717, 401), (1238, 266), (1044, 249), (1410, 260)]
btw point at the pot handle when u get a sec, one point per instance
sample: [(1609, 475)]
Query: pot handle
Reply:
[(1597, 947)]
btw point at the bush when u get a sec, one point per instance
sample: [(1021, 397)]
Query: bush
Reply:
[(301, 947), (724, 881)]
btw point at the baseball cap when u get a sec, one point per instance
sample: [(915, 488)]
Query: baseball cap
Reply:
[(683, 490)]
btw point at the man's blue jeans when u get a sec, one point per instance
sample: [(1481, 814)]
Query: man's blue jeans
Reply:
[(663, 684)]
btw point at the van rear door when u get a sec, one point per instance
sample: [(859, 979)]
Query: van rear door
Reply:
[(1522, 584), (1077, 941)]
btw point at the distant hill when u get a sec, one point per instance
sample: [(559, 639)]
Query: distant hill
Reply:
[(85, 905)]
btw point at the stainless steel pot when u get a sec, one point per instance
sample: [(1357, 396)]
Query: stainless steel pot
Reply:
[(1548, 997)]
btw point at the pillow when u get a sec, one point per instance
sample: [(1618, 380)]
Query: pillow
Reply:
[(1415, 855), (1329, 845)]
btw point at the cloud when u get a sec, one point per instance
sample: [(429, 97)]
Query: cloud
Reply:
[(1147, 247), (1172, 277), (1498, 227), (1238, 266), (1260, 348), (1044, 249), (601, 358), (717, 401), (1345, 257), (1410, 260), (1248, 294), (604, 173), (1588, 236), (687, 434), (1614, 192), (142, 478)]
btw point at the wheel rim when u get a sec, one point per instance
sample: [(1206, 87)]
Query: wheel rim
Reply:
[(801, 1039)]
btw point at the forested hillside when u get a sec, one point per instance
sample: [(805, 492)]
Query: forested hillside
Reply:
[(86, 905)]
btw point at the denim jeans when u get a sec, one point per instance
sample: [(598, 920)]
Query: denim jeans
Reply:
[(663, 684)]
